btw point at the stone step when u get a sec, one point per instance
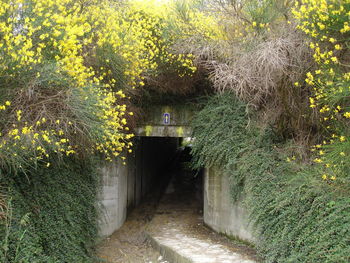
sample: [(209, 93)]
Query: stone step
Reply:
[(177, 247)]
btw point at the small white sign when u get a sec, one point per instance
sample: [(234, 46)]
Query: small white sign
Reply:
[(166, 118)]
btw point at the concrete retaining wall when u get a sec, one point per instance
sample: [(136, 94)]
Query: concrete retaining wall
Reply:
[(112, 199), (122, 187), (220, 212)]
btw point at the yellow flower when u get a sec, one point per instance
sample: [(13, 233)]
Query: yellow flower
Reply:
[(18, 113), (334, 59)]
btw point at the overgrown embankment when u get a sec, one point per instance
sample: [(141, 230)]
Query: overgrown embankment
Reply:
[(297, 217), (51, 214), (280, 127)]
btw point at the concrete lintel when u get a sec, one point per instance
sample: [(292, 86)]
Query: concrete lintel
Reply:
[(167, 115), (163, 131)]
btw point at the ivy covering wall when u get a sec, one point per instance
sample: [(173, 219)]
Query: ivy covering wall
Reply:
[(296, 217)]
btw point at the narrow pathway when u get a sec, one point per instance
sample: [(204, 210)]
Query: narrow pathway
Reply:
[(177, 229)]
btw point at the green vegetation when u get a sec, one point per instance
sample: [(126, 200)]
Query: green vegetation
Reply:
[(217, 129), (288, 62), (51, 217), (297, 217)]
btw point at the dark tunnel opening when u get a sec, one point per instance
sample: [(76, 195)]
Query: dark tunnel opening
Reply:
[(162, 167), (161, 192), (165, 206)]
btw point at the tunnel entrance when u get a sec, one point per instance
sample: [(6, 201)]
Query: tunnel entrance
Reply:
[(165, 209), (161, 189), (162, 165)]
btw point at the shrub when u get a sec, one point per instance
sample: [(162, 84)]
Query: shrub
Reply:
[(51, 214), (256, 52), (296, 217), (63, 68), (326, 23), (217, 129)]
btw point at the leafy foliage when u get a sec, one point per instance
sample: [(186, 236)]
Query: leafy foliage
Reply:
[(52, 216), (217, 129), (257, 53), (66, 70), (297, 218)]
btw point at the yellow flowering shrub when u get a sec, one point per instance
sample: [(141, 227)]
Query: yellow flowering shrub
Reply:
[(326, 22), (63, 68)]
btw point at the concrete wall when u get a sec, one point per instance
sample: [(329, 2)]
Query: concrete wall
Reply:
[(112, 199), (122, 187), (179, 115), (220, 212)]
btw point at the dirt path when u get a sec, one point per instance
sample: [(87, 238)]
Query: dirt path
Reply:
[(129, 244)]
